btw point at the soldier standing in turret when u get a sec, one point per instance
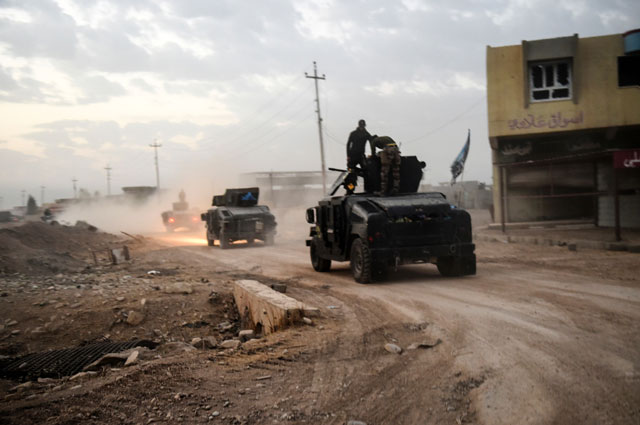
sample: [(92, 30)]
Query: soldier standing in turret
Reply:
[(355, 153), (389, 158)]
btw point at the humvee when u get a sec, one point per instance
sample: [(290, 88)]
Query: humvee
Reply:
[(180, 216), (236, 215), (376, 232)]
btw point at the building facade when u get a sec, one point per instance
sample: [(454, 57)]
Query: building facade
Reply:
[(564, 129)]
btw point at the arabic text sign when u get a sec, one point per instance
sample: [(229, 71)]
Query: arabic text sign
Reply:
[(552, 121), (626, 159)]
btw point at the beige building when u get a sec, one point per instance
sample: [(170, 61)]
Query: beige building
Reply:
[(564, 129)]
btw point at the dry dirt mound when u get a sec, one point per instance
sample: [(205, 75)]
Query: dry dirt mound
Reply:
[(41, 248)]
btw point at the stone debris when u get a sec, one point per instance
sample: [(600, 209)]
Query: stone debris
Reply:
[(134, 318), (393, 348), (307, 321), (209, 342), (246, 334), (230, 343), (132, 359), (179, 288)]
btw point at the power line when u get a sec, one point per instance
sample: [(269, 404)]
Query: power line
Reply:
[(316, 78), (430, 132)]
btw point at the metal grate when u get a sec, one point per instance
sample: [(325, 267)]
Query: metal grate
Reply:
[(65, 362)]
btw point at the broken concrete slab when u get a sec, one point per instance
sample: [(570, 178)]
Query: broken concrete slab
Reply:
[(264, 309)]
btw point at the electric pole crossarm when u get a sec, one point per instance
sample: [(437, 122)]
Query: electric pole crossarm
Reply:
[(315, 77)]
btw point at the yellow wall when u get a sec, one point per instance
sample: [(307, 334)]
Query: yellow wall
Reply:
[(600, 103)]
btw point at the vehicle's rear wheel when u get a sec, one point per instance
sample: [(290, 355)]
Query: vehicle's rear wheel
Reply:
[(319, 264), (250, 241), (457, 266), (361, 262), (210, 241)]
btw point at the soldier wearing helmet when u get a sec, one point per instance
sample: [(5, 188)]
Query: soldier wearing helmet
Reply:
[(358, 139)]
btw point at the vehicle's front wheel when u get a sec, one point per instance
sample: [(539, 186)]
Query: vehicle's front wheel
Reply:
[(319, 264), (269, 239), (210, 241), (361, 262), (225, 243)]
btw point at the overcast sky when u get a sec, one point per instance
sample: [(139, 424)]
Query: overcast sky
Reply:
[(221, 84)]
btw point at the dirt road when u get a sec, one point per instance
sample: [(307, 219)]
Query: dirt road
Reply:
[(540, 335), (552, 336)]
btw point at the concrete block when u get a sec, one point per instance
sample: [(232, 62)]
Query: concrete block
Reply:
[(267, 310)]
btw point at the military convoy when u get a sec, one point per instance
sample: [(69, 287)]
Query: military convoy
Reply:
[(377, 232), (236, 216)]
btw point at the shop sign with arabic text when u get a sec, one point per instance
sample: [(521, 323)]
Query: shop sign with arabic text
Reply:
[(552, 121), (626, 159)]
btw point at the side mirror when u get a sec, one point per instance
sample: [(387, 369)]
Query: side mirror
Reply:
[(311, 216)]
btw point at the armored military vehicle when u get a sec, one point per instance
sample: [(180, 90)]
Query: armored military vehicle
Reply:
[(376, 232), (181, 216), (236, 216)]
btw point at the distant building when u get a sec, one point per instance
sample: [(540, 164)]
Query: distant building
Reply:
[(564, 129), (465, 194), (284, 189)]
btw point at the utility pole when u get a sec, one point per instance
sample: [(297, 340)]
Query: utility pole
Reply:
[(108, 168), (42, 188), (75, 188), (155, 147), (22, 193), (316, 78)]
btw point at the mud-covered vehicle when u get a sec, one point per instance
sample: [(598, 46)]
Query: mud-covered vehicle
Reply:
[(181, 217), (376, 232), (236, 216)]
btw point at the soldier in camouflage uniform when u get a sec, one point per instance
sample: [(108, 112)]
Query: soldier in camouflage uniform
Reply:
[(389, 158)]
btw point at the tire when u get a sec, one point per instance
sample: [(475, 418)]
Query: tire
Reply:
[(224, 241), (457, 266), (269, 239), (319, 264), (210, 241), (250, 241), (450, 266), (361, 267)]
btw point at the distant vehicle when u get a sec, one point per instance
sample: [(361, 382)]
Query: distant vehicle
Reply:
[(236, 216), (181, 217), (377, 232), (8, 217)]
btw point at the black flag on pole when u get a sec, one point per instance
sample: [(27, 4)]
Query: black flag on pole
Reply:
[(458, 164)]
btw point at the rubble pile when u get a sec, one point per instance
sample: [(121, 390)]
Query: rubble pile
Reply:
[(39, 248)]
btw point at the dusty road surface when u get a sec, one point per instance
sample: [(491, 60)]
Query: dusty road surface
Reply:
[(540, 335)]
